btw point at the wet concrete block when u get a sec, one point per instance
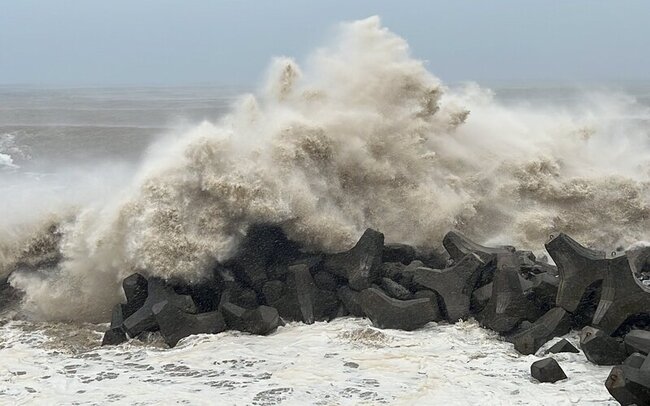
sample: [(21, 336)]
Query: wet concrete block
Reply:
[(262, 246), (578, 267), (225, 275), (458, 246), (434, 258), (562, 346), (326, 305), (301, 285), (402, 274), (117, 316), (241, 296), (622, 296), (360, 266), (543, 291), (433, 297), (351, 301), (391, 269), (480, 298), (135, 290), (279, 270), (206, 293), (646, 363), (386, 312), (454, 284), (635, 360), (312, 261), (547, 370), (637, 341), (341, 311), (279, 297), (554, 323), (273, 291), (401, 253), (246, 298), (326, 281), (395, 290), (261, 321), (157, 291), (639, 258), (629, 385), (584, 313), (510, 302), (114, 336), (176, 324), (601, 349)]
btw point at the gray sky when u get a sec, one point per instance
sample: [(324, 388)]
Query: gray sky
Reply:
[(107, 42)]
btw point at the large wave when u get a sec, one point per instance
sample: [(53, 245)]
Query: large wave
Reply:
[(362, 136)]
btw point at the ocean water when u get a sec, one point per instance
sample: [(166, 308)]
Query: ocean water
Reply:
[(100, 182), (344, 362)]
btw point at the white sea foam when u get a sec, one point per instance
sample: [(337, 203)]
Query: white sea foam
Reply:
[(345, 362), (361, 136), (7, 162), (6, 147)]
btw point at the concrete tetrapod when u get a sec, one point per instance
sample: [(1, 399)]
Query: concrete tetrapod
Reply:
[(262, 321), (303, 288), (395, 290), (360, 266), (562, 346), (480, 298), (299, 299), (623, 295), (554, 323), (262, 245), (458, 246), (544, 289), (326, 281), (135, 290), (401, 253), (635, 360), (144, 319), (176, 324), (637, 341), (386, 312), (639, 258), (578, 267), (402, 274), (114, 336), (629, 385), (509, 303), (600, 348), (454, 284), (351, 301)]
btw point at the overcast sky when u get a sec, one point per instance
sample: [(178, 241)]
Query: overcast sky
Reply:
[(92, 42)]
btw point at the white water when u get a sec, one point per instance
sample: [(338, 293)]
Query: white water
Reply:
[(460, 364)]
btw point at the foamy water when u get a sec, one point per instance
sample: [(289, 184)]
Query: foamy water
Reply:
[(345, 362)]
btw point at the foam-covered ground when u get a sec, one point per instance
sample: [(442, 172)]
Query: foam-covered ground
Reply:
[(344, 362)]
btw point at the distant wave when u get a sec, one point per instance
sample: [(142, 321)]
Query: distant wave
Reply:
[(24, 126), (6, 161), (7, 147)]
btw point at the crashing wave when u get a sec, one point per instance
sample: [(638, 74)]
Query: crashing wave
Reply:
[(362, 136)]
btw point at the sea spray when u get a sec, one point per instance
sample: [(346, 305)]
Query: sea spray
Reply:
[(361, 136)]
